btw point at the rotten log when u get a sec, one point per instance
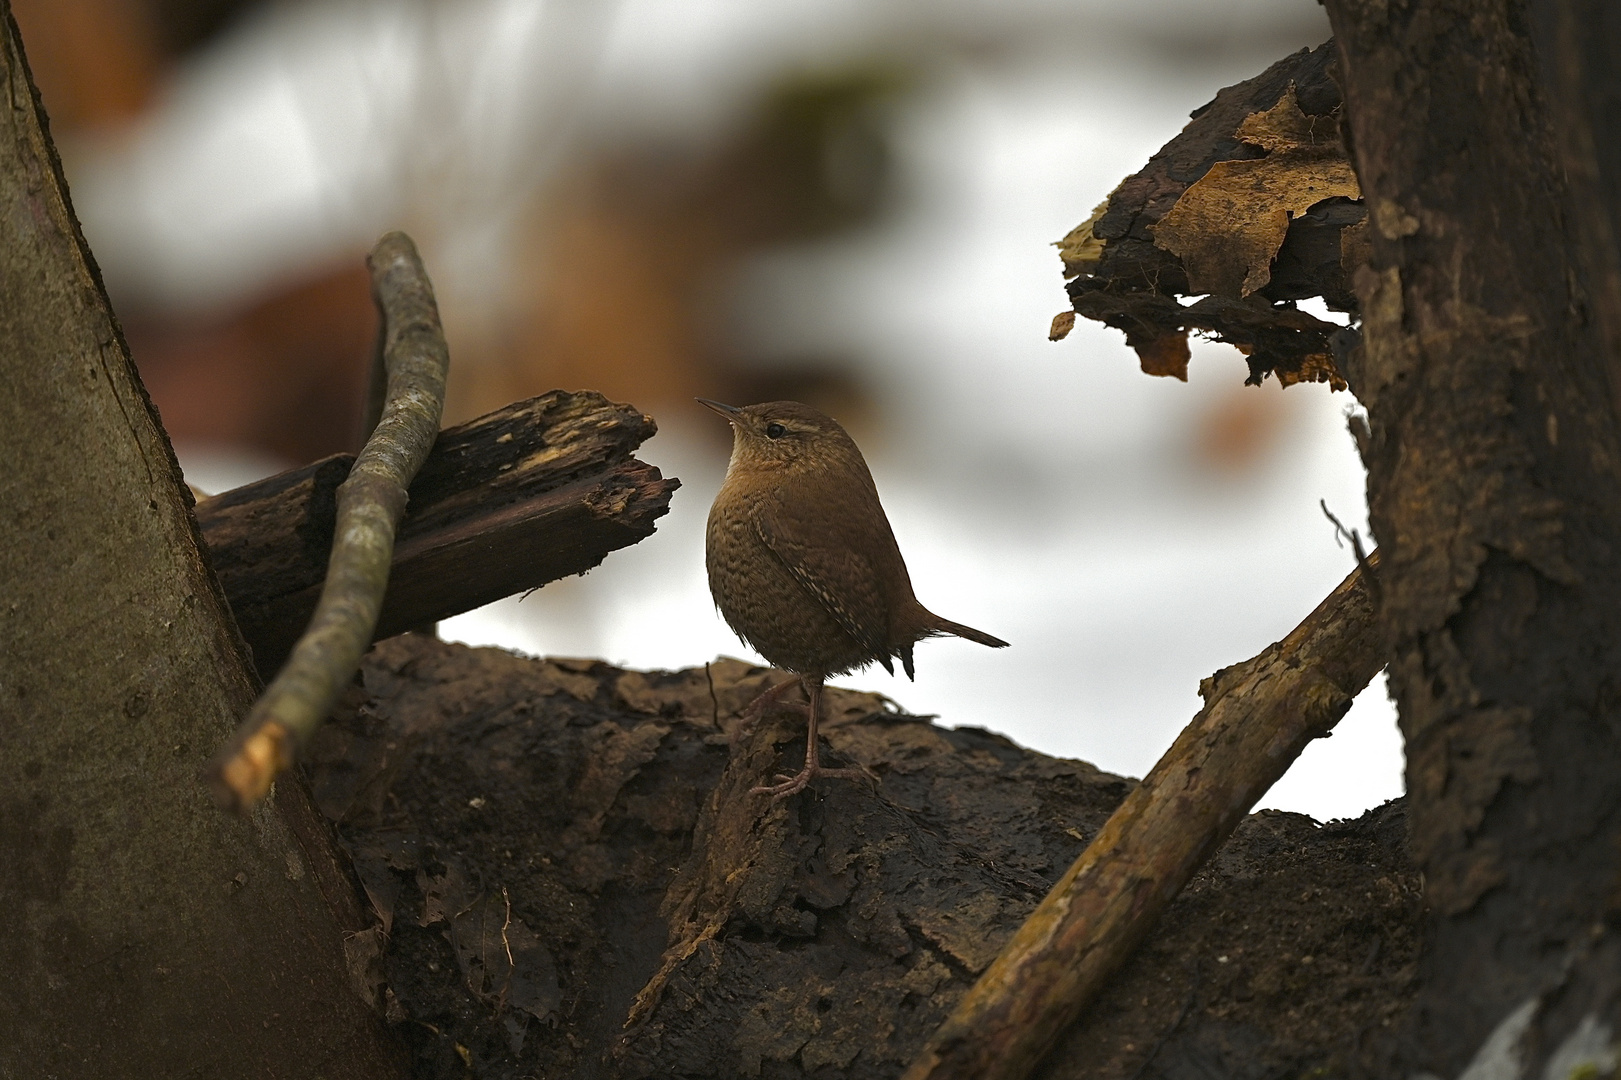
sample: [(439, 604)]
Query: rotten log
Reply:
[(596, 821), (531, 493), (1494, 493), (1258, 717)]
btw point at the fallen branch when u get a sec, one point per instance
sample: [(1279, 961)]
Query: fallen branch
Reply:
[(1258, 717), (534, 492), (370, 503)]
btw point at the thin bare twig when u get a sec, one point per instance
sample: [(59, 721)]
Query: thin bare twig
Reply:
[(714, 701), (1371, 579), (370, 504)]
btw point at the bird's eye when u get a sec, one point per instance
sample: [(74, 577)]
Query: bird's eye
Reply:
[(775, 431)]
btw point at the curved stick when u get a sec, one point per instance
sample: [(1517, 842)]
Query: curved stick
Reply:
[(1258, 717), (370, 504)]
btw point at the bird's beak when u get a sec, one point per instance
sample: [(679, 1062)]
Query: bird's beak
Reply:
[(728, 411)]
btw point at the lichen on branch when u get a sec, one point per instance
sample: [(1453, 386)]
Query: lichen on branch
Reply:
[(370, 504)]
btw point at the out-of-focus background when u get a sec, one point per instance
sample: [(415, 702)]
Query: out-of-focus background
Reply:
[(848, 203)]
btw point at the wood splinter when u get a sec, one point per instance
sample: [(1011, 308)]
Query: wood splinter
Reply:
[(370, 503), (1258, 716)]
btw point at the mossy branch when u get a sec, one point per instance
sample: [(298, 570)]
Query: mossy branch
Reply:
[(1258, 717), (370, 504)]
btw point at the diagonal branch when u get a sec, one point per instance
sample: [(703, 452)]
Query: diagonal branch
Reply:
[(1258, 717), (370, 504)]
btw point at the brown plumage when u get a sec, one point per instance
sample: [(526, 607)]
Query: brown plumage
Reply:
[(803, 563)]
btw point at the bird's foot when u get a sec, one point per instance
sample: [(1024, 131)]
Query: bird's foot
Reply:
[(792, 785)]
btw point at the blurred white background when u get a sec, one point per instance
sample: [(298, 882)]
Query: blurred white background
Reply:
[(619, 196)]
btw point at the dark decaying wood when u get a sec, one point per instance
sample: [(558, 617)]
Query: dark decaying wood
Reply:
[(1258, 717), (1124, 277), (1494, 489), (554, 846), (528, 494), (1579, 42)]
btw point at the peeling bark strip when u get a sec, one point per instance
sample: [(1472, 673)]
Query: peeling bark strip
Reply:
[(1493, 492), (1229, 225), (371, 501), (525, 495), (1258, 717), (1254, 204)]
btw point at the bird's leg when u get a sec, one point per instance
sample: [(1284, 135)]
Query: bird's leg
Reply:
[(760, 705), (788, 785)]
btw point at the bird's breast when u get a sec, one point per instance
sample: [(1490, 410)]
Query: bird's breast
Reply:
[(762, 600)]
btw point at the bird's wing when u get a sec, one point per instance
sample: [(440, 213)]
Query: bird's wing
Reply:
[(840, 577)]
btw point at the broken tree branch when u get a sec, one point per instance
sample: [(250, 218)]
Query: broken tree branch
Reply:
[(1216, 193), (1258, 717), (370, 503), (534, 492)]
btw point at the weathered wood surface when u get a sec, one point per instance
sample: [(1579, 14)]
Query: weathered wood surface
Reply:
[(1258, 717), (525, 495), (548, 842)]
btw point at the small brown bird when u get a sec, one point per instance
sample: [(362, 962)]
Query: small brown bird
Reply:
[(803, 564)]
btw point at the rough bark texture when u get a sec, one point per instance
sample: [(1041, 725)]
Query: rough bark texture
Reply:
[(531, 493), (1125, 276), (145, 933), (1580, 45), (1258, 716), (1494, 494), (555, 845)]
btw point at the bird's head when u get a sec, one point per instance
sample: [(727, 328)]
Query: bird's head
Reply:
[(784, 435)]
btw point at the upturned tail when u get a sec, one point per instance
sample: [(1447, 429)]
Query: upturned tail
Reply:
[(931, 625), (937, 625)]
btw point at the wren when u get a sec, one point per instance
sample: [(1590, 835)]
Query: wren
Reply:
[(803, 564)]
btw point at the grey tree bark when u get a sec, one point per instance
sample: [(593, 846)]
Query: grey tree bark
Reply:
[(146, 934)]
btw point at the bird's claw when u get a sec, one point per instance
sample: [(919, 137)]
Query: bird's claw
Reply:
[(793, 785)]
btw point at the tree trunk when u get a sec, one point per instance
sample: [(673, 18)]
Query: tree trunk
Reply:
[(1493, 492), (146, 934)]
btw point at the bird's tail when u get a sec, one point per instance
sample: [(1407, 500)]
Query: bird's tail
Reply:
[(937, 625)]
